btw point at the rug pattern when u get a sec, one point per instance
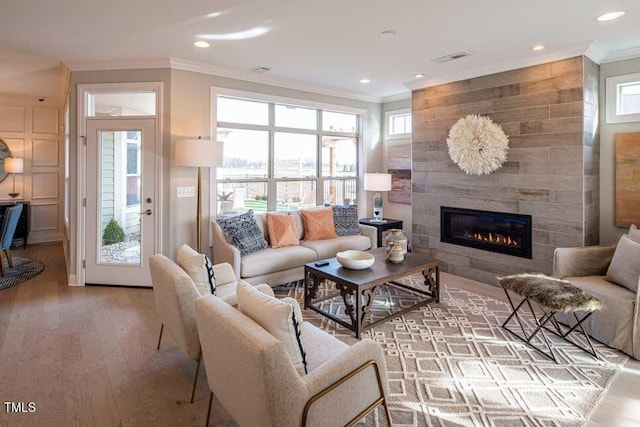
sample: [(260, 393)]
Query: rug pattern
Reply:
[(23, 269), (452, 364)]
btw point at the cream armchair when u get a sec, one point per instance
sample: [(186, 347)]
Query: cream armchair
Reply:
[(175, 295), (253, 378), (618, 324)]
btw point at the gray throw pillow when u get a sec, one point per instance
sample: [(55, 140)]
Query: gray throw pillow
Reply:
[(634, 233), (345, 220), (242, 231), (625, 265)]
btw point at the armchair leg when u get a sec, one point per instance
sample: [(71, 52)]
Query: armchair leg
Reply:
[(206, 424), (195, 378), (2, 268), (160, 337), (7, 252)]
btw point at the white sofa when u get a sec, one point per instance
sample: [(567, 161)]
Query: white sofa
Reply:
[(284, 265)]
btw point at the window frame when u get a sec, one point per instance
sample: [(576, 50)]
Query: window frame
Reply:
[(387, 124), (272, 129), (612, 98)]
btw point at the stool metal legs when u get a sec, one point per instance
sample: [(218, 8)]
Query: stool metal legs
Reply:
[(541, 325)]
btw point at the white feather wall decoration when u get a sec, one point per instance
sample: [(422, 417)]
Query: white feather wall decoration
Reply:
[(477, 145)]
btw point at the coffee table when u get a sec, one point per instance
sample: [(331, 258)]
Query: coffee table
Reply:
[(363, 284)]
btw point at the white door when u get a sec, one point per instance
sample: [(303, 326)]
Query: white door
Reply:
[(120, 212)]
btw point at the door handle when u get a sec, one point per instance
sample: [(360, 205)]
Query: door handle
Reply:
[(147, 212)]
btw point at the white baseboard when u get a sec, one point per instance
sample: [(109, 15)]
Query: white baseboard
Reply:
[(73, 280)]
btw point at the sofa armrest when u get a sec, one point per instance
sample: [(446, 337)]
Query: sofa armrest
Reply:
[(265, 289), (224, 273), (348, 361), (223, 251), (582, 261), (371, 233)]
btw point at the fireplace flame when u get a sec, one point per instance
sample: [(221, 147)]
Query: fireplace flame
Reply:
[(496, 238)]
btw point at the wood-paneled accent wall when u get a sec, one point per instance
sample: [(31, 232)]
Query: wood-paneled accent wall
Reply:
[(549, 112), (32, 130)]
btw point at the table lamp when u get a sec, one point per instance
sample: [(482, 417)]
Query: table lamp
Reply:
[(200, 153), (377, 182), (13, 166)]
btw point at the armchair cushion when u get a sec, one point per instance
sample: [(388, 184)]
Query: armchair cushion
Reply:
[(634, 233), (281, 318), (625, 265), (199, 268), (243, 232)]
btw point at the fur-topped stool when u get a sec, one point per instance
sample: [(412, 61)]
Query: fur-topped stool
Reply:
[(552, 295)]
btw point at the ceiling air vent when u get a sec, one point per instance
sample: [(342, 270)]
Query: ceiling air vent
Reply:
[(260, 70), (452, 57)]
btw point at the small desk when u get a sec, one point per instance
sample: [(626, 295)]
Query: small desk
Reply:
[(381, 226)]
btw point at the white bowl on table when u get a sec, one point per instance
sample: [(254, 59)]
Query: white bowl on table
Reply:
[(355, 260)]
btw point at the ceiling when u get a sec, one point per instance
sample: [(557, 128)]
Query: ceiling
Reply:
[(328, 45)]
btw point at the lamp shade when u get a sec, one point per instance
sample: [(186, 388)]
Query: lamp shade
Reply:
[(377, 182), (13, 165), (199, 153)]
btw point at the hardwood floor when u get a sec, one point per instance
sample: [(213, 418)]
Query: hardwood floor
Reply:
[(87, 356)]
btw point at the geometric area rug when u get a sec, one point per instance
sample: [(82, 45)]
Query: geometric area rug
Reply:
[(452, 364), (23, 269)]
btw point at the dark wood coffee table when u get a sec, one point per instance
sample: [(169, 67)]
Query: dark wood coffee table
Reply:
[(363, 284)]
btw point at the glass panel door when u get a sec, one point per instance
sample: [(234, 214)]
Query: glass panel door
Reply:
[(120, 201)]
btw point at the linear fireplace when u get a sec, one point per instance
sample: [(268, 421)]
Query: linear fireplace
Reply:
[(492, 231)]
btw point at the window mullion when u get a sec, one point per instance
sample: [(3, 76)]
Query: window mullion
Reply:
[(271, 185)]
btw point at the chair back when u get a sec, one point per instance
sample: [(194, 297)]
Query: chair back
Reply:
[(248, 370), (175, 294), (9, 224)]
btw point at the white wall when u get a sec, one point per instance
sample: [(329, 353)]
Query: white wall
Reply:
[(34, 131), (609, 233), (395, 210)]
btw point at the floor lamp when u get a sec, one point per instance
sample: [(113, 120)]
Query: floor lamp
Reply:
[(200, 153), (13, 166)]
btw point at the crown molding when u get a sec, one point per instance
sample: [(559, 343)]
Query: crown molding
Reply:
[(397, 97), (127, 64), (621, 55), (570, 52), (220, 71), (217, 70)]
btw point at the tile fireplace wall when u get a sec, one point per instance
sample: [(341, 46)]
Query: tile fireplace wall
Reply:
[(549, 112)]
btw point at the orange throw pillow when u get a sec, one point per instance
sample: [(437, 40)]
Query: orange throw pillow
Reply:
[(318, 224), (282, 230)]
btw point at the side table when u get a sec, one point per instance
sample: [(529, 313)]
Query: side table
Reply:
[(381, 226)]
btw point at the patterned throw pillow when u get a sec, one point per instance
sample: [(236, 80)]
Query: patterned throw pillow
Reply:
[(242, 231), (634, 233), (318, 223), (199, 268), (345, 219)]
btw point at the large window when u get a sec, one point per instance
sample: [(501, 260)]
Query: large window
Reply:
[(281, 156), (623, 99)]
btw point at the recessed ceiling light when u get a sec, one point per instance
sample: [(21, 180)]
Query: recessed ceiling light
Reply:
[(538, 47), (387, 34), (365, 81), (610, 16), (418, 76), (201, 43)]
